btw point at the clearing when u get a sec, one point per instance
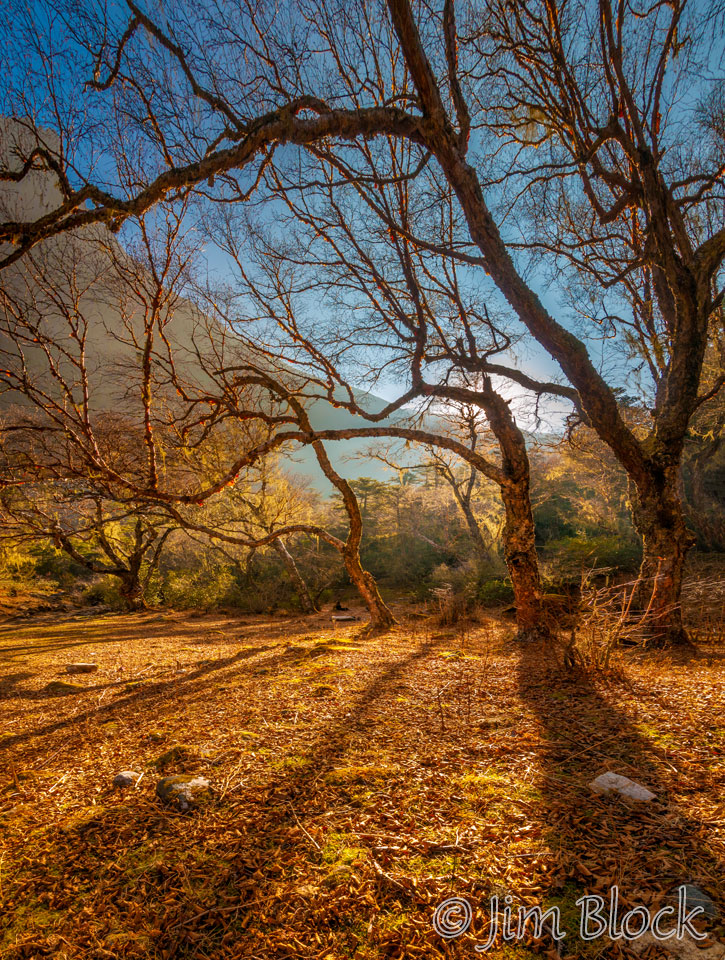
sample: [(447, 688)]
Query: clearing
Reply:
[(358, 782)]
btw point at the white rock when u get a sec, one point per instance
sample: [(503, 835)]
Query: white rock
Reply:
[(81, 667), (615, 783), (685, 949), (126, 778), (183, 791)]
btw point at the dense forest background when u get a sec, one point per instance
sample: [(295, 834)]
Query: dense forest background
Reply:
[(417, 543)]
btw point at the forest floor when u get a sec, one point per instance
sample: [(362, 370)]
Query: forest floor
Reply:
[(358, 783)]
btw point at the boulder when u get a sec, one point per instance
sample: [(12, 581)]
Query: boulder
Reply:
[(685, 949), (81, 667), (183, 792), (695, 897), (607, 783), (61, 688), (126, 778)]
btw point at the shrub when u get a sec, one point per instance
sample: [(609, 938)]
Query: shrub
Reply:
[(205, 589), (495, 591), (103, 592), (565, 559)]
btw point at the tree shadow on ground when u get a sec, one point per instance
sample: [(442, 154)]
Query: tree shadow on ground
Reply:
[(150, 690), (235, 873), (145, 696), (296, 856), (68, 632), (645, 849)]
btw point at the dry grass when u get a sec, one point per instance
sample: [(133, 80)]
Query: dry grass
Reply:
[(358, 783)]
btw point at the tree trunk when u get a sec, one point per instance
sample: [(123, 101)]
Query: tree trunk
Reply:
[(132, 593), (474, 530), (381, 617), (288, 560), (522, 562), (658, 518), (657, 513), (519, 534)]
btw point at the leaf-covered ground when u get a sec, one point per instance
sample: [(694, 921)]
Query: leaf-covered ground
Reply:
[(358, 783)]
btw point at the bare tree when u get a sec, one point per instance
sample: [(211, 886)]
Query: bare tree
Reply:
[(463, 479), (261, 499), (138, 414), (394, 307), (112, 539), (258, 528), (634, 175)]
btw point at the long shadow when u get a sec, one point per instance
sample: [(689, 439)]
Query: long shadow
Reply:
[(241, 873), (300, 796), (10, 684), (150, 626), (152, 692), (42, 640), (646, 849), (146, 695)]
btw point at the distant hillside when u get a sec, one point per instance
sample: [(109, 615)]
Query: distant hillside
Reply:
[(80, 264)]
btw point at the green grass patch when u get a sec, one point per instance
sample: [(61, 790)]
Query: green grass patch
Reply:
[(339, 850), (436, 866), (570, 915), (354, 775), (291, 763), (32, 915), (651, 732), (145, 858)]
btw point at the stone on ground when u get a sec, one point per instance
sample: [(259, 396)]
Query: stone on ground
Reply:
[(695, 897), (61, 688), (182, 791), (607, 783), (126, 778), (685, 949)]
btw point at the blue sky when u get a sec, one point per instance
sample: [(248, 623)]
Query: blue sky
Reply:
[(83, 111)]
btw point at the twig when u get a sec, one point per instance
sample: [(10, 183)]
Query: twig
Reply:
[(308, 835), (381, 873)]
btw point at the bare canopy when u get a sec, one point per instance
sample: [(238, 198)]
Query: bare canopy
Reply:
[(578, 138)]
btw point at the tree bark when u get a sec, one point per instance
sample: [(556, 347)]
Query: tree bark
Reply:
[(683, 291), (295, 576), (519, 532), (514, 482), (381, 617), (522, 562), (131, 587), (659, 519), (132, 593)]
